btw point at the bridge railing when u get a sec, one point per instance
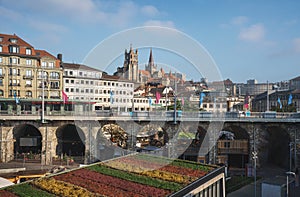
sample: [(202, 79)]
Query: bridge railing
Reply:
[(158, 114)]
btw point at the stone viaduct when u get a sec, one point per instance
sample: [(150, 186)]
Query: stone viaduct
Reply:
[(272, 138)]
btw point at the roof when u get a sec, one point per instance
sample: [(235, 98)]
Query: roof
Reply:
[(75, 66), (132, 175), (20, 42), (43, 53)]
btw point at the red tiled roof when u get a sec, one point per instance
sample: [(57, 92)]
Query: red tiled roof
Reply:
[(43, 53), (6, 40)]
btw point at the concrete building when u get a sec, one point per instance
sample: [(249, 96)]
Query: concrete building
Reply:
[(102, 91)]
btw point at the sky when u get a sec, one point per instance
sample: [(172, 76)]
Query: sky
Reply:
[(246, 39)]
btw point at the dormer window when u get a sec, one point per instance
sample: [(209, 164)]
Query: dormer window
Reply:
[(13, 49), (28, 51), (13, 40)]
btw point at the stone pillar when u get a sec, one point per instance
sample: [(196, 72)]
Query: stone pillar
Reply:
[(48, 144), (6, 144), (18, 109), (10, 108), (33, 109), (47, 110), (62, 109)]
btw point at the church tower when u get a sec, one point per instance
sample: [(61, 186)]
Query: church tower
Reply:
[(151, 68), (130, 65)]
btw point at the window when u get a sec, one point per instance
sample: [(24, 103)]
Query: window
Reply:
[(80, 73), (28, 94), (54, 84), (13, 49), (1, 82), (1, 93), (51, 65), (13, 60), (28, 73), (54, 75), (13, 40), (44, 64), (1, 71), (82, 82), (28, 83), (72, 81), (28, 51), (77, 90), (28, 62), (67, 80), (0, 48), (67, 89), (0, 59), (71, 72)]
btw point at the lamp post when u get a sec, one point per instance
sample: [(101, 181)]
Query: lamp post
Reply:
[(287, 181)]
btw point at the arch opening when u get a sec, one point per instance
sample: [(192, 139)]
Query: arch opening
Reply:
[(71, 142), (232, 147), (28, 142)]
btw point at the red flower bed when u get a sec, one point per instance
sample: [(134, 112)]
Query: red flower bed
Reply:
[(108, 185), (4, 193), (167, 168)]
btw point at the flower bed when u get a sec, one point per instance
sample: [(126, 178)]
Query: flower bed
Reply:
[(61, 188), (85, 178), (26, 189), (7, 193), (134, 175)]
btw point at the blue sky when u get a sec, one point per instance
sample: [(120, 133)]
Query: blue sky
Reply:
[(247, 39)]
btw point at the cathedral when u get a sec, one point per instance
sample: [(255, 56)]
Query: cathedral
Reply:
[(130, 70)]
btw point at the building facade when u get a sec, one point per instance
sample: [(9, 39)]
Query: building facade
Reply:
[(102, 91)]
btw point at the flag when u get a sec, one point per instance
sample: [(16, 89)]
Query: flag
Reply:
[(157, 95), (279, 102), (65, 97), (150, 100), (111, 97), (246, 101), (202, 95), (290, 99), (16, 98)]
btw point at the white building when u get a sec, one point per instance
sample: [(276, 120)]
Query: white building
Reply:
[(104, 92)]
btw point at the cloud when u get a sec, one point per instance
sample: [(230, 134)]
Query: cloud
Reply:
[(160, 23), (239, 20), (149, 11), (253, 33), (296, 45)]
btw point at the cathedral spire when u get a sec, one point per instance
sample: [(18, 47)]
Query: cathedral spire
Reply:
[(151, 60)]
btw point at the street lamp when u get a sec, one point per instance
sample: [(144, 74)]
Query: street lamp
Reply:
[(287, 181)]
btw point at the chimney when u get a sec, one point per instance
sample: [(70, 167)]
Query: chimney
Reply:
[(59, 56)]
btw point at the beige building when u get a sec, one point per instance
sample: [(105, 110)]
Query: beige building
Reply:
[(22, 68)]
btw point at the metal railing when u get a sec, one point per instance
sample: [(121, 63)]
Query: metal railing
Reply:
[(157, 114)]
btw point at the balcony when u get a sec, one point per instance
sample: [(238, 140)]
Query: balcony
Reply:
[(54, 87), (28, 76), (28, 85), (14, 84), (54, 78), (233, 147)]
